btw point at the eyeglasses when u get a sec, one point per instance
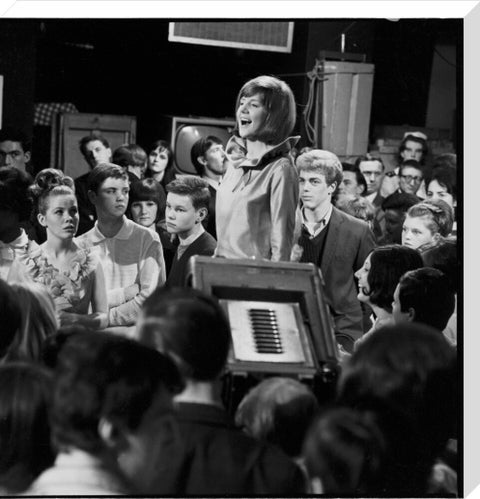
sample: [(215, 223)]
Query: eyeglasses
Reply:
[(409, 178)]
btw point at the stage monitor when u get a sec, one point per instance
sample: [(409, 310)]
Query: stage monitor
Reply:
[(279, 318), (187, 130)]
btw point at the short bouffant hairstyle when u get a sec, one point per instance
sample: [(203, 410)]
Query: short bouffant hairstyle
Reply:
[(279, 102), (194, 187), (437, 213), (50, 182), (323, 162)]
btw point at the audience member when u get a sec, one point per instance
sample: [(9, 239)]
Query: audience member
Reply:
[(215, 458), (131, 255), (15, 150), (257, 198), (208, 158), (344, 453), (441, 184), (187, 207), (358, 207), (15, 209), (25, 398), (424, 295), (111, 417), (146, 203), (279, 411), (11, 315), (334, 241), (96, 150), (444, 258), (445, 160), (410, 175), (38, 322), (160, 163), (133, 159), (373, 170), (406, 376), (72, 275), (395, 209), (378, 278), (427, 224), (352, 185)]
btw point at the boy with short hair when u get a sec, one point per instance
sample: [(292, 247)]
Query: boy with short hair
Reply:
[(131, 255), (187, 207)]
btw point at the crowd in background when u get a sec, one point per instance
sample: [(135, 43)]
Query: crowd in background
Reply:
[(113, 369)]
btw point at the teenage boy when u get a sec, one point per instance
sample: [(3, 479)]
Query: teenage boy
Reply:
[(15, 150), (334, 241), (95, 150), (187, 207), (208, 158), (131, 255)]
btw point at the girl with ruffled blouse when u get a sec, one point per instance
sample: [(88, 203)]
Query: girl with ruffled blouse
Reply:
[(72, 275)]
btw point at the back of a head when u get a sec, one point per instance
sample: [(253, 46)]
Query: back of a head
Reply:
[(100, 375), (406, 374), (14, 192), (278, 410), (429, 293), (344, 452), (129, 155), (444, 257), (25, 396), (400, 201), (191, 326)]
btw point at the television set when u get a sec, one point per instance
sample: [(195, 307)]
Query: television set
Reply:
[(187, 130)]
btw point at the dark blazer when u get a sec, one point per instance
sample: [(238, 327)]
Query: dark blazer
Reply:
[(215, 458), (203, 245), (347, 244), (86, 210)]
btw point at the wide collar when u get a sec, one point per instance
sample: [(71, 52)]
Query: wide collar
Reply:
[(236, 151), (123, 234)]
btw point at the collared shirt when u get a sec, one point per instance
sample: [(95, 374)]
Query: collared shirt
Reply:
[(133, 256), (212, 182), (14, 250), (314, 228)]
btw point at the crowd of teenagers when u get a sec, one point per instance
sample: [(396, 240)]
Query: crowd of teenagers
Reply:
[(112, 367)]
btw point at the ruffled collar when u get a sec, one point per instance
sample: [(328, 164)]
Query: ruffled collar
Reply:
[(236, 151)]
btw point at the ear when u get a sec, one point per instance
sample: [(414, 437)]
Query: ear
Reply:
[(92, 197), (109, 433), (436, 237), (201, 214), (28, 156), (41, 220), (411, 314), (202, 160), (332, 187)]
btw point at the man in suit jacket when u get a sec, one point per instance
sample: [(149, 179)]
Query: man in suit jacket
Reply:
[(336, 242), (215, 457)]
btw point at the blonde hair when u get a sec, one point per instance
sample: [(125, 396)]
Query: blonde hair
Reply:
[(39, 320)]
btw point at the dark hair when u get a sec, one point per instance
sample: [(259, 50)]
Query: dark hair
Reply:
[(192, 326), (418, 140), (321, 162), (103, 171), (348, 167), (129, 155), (169, 170), (14, 192), (400, 201), (147, 190), (368, 157), (406, 375), (25, 396), (411, 163), (194, 187), (279, 102), (438, 213), (50, 182), (445, 160), (387, 264), (200, 147), (14, 135), (446, 177), (345, 449), (444, 258), (428, 292), (11, 316), (91, 138), (101, 375), (278, 410)]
